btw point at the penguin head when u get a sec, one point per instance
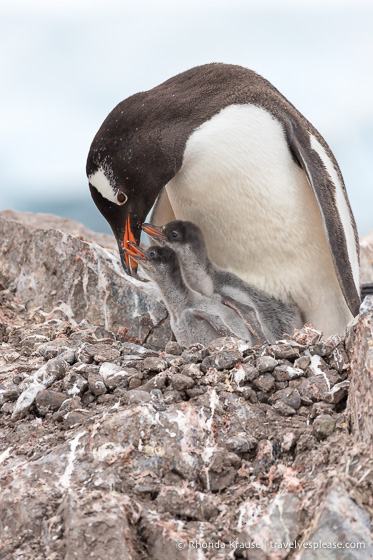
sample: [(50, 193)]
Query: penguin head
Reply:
[(158, 262), (185, 238), (129, 162)]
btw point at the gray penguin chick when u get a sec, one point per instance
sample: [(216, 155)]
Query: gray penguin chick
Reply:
[(193, 316), (186, 239)]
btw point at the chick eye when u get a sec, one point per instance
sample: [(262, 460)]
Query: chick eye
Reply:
[(152, 254), (174, 234), (121, 198)]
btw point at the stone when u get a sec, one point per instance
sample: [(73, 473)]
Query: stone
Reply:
[(302, 363), (114, 375), (221, 360), (174, 348), (323, 426), (241, 443), (154, 364), (266, 364), (96, 384), (91, 283), (338, 392), (359, 344), (284, 409), (75, 384), (265, 382), (181, 382), (279, 525), (283, 352), (185, 503), (49, 401), (136, 397), (339, 520), (287, 373), (158, 382)]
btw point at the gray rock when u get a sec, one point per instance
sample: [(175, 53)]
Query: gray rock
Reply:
[(181, 382), (174, 348), (49, 401), (283, 352), (91, 283), (265, 383), (341, 521), (287, 373), (241, 443), (221, 360), (136, 396), (96, 384), (323, 426), (338, 392), (279, 525), (266, 363), (302, 363), (154, 364), (284, 409)]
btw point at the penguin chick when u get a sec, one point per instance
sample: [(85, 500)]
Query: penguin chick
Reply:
[(186, 239), (193, 316)]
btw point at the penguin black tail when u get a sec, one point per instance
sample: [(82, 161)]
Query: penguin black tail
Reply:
[(366, 290)]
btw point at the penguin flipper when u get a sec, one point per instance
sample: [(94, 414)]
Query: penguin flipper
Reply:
[(214, 320), (324, 177), (162, 212), (248, 316)]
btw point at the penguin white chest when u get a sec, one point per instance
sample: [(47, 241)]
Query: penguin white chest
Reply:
[(240, 185)]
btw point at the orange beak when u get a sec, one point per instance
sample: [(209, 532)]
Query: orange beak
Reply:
[(132, 250), (153, 231), (128, 236)]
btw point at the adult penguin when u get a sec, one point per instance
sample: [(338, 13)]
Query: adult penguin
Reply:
[(219, 146)]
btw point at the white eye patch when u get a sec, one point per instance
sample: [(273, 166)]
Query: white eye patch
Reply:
[(100, 181)]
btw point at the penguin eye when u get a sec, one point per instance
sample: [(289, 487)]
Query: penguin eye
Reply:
[(152, 254), (122, 198), (174, 234)]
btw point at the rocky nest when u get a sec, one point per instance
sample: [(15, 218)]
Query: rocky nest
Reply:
[(117, 446)]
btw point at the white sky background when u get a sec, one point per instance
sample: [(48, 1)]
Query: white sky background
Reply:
[(64, 64)]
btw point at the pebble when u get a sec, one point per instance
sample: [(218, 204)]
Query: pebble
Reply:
[(302, 363), (154, 364), (286, 373), (323, 426), (222, 360), (241, 443), (181, 382), (49, 401), (266, 364), (157, 382), (174, 348), (136, 396), (265, 383), (338, 392), (283, 352), (284, 409), (96, 384)]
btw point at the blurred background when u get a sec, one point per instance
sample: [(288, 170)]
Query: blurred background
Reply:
[(65, 65)]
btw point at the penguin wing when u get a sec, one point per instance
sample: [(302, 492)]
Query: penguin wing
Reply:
[(326, 181), (248, 316), (214, 320)]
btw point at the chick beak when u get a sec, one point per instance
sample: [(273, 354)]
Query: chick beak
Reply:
[(153, 231)]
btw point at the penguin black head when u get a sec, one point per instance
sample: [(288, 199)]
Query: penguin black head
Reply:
[(131, 159)]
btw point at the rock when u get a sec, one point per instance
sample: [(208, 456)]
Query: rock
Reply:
[(241, 443), (75, 384), (338, 392), (185, 503), (49, 401), (76, 417), (181, 382), (158, 382), (283, 352), (265, 383), (91, 283), (136, 396), (96, 384), (174, 348), (359, 344), (154, 364), (287, 373), (340, 521), (221, 360), (266, 363), (278, 527), (323, 426), (302, 363), (114, 375), (284, 409)]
